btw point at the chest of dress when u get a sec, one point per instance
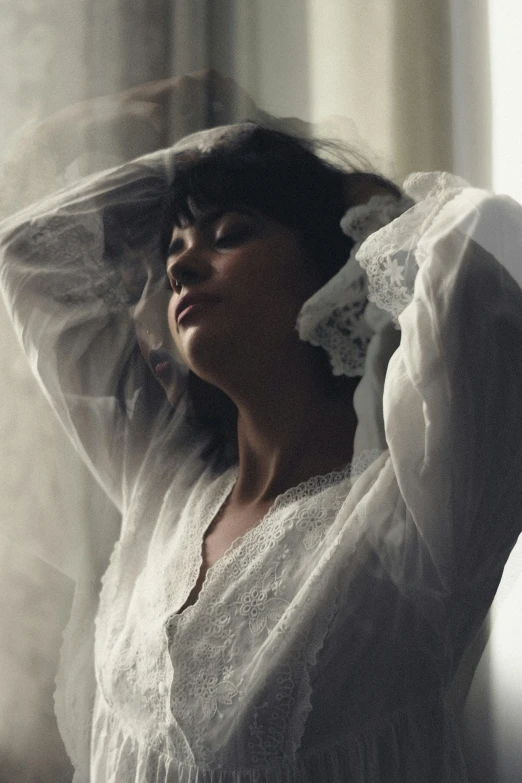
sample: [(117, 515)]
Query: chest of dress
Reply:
[(238, 668), (249, 616)]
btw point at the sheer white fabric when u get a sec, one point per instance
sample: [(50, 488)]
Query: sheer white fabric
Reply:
[(337, 318), (323, 643)]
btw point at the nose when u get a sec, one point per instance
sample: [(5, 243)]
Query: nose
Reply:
[(190, 268)]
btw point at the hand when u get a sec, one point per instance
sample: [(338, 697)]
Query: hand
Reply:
[(112, 129), (148, 117)]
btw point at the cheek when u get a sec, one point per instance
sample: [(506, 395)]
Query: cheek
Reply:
[(171, 308), (285, 288)]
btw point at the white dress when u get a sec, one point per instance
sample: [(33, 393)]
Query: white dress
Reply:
[(323, 643)]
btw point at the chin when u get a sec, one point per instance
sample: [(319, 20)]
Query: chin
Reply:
[(207, 358)]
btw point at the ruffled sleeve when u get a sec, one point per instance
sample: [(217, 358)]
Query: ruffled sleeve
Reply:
[(70, 269), (450, 272)]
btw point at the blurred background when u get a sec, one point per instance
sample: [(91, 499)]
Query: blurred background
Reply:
[(410, 84)]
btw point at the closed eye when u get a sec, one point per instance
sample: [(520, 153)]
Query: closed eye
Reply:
[(233, 238)]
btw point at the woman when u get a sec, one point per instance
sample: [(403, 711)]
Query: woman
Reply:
[(290, 594)]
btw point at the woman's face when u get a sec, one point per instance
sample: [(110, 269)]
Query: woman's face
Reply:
[(239, 280)]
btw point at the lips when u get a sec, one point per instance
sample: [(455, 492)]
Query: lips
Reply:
[(191, 302)]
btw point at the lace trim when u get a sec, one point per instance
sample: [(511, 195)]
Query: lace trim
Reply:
[(391, 257), (211, 504), (203, 640), (79, 273), (270, 724), (334, 318), (364, 219), (212, 501), (217, 645)]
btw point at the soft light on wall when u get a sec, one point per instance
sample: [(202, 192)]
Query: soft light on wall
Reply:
[(505, 19)]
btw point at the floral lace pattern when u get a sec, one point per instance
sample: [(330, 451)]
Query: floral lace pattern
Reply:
[(214, 644), (364, 219), (334, 318), (81, 274), (391, 257), (247, 602), (260, 609)]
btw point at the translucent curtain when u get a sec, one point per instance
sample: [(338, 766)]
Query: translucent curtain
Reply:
[(406, 83), (505, 30), (53, 54)]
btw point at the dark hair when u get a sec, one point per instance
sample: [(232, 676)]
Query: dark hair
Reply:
[(279, 175), (284, 178)]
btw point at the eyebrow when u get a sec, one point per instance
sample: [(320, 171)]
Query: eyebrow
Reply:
[(206, 219)]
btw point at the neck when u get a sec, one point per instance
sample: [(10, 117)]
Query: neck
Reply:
[(297, 424)]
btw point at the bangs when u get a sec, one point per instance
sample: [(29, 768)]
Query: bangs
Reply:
[(270, 172), (231, 177), (210, 184)]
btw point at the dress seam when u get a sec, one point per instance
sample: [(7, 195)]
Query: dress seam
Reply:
[(289, 762)]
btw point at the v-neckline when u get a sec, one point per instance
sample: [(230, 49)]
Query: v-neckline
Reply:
[(206, 511), (305, 488)]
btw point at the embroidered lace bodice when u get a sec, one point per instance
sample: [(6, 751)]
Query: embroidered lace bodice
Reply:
[(323, 643)]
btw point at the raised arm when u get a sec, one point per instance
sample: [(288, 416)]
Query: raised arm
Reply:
[(70, 283), (82, 269), (450, 271)]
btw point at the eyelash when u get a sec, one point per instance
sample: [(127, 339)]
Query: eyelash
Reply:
[(228, 239), (232, 237)]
